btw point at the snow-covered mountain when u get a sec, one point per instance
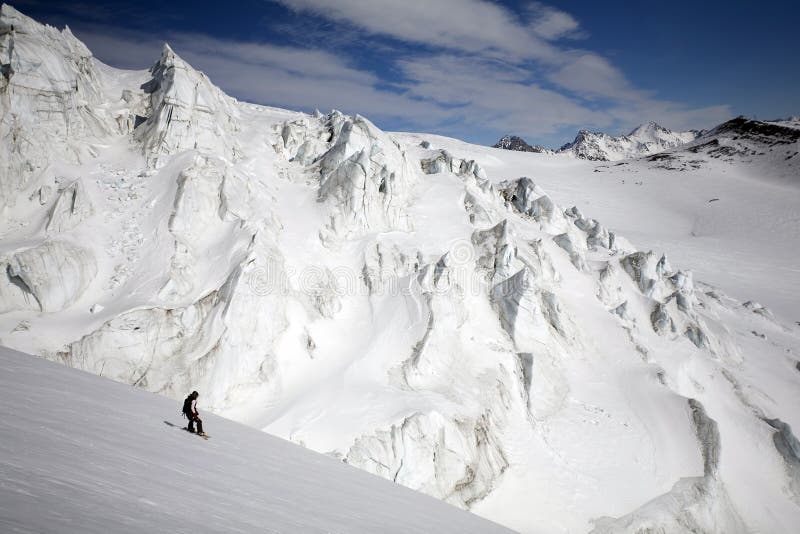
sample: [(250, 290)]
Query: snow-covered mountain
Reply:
[(769, 148), (792, 122), (513, 142), (425, 311), (86, 455), (647, 139)]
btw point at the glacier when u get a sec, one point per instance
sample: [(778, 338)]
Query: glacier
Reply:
[(454, 318)]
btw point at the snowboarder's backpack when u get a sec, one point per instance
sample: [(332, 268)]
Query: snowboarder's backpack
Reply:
[(187, 407)]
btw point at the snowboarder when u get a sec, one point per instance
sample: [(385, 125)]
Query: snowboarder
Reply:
[(190, 411)]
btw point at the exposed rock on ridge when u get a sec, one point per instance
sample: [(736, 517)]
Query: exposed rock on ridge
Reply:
[(513, 142)]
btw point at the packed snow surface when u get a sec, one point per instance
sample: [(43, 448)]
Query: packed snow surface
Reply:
[(555, 343), (84, 454)]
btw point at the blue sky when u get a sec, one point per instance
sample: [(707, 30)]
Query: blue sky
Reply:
[(473, 69)]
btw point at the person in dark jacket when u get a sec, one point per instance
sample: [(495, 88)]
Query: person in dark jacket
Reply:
[(190, 411)]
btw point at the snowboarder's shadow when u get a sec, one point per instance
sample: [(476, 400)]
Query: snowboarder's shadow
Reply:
[(173, 425)]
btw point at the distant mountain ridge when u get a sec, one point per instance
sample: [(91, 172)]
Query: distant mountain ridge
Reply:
[(773, 145), (741, 137), (646, 139)]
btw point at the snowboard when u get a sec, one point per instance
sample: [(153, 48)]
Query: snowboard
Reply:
[(204, 436)]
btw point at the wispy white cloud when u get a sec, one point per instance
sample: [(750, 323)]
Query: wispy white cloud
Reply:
[(486, 94), (506, 67), (489, 94), (593, 78), (551, 24), (591, 75), (473, 26), (304, 62)]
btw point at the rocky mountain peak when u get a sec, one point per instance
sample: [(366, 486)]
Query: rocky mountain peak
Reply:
[(514, 142), (648, 127)]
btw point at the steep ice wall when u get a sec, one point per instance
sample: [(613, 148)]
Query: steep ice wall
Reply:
[(207, 344), (364, 177), (196, 328), (50, 96), (456, 461), (48, 277), (201, 223), (697, 504), (457, 454), (72, 207), (186, 111)]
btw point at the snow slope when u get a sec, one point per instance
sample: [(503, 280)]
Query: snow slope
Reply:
[(80, 453), (746, 250), (745, 242), (419, 307)]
